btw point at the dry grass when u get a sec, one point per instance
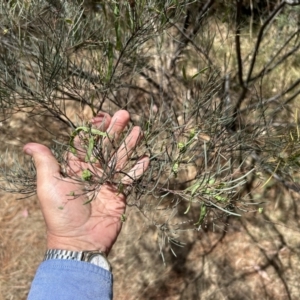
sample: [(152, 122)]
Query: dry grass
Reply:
[(22, 245), (252, 259)]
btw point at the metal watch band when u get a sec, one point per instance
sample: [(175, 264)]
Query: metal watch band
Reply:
[(62, 254), (87, 256)]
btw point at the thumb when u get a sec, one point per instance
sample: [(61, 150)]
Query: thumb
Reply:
[(46, 164)]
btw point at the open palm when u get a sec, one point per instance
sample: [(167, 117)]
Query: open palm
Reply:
[(72, 224)]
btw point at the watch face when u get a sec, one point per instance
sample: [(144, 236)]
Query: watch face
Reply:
[(100, 261)]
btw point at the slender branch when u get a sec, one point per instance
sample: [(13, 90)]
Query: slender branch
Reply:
[(243, 94), (197, 47), (238, 41), (267, 70), (270, 260), (259, 39), (185, 40), (274, 98)]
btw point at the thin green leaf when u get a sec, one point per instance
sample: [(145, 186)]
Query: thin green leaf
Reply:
[(200, 72)]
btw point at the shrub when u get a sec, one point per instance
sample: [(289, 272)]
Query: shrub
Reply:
[(215, 95)]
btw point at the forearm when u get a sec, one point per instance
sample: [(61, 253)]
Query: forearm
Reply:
[(70, 280)]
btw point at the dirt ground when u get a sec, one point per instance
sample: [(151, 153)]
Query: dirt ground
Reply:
[(255, 257)]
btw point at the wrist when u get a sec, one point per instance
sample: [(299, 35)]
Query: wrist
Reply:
[(93, 257), (74, 244)]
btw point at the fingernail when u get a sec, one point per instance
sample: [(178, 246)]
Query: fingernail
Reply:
[(28, 151), (98, 119)]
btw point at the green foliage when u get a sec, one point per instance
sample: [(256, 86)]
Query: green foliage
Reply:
[(86, 175), (91, 138)]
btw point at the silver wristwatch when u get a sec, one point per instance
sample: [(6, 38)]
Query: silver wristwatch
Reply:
[(94, 257)]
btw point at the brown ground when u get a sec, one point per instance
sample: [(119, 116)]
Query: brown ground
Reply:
[(256, 257)]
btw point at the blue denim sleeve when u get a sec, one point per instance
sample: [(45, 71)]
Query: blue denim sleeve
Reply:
[(58, 279)]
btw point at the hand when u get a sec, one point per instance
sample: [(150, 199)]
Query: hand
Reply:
[(71, 224)]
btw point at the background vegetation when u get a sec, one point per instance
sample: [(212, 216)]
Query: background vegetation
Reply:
[(214, 85)]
